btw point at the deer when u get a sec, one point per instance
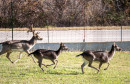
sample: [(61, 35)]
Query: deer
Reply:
[(52, 55), (19, 46), (99, 56)]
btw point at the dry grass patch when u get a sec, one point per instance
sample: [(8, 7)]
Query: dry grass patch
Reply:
[(68, 28)]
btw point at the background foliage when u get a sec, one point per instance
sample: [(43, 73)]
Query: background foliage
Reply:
[(64, 13)]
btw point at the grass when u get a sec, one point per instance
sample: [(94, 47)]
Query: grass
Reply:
[(68, 28), (68, 71)]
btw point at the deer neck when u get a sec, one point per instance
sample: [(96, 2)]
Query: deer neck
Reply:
[(32, 41), (112, 52), (58, 51)]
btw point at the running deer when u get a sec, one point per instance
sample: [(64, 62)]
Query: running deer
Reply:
[(100, 56), (20, 46), (52, 55)]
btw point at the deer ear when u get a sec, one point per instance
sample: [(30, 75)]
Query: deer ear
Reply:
[(114, 43), (61, 44), (37, 33)]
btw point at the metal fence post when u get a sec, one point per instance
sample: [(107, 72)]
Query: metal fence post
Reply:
[(121, 33), (47, 30), (12, 18), (84, 13)]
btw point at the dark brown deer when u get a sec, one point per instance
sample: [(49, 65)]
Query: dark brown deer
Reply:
[(52, 55), (101, 56), (19, 45)]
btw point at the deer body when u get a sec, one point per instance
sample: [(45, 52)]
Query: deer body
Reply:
[(52, 55), (46, 54), (100, 56), (19, 46)]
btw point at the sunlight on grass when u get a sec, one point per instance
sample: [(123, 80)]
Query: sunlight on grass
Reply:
[(68, 70)]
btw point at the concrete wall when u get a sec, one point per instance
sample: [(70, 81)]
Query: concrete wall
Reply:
[(125, 46)]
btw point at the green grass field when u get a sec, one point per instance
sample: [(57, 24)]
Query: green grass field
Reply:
[(68, 70)]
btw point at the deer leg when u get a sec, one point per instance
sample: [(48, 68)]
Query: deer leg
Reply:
[(41, 55), (90, 65), (8, 54), (3, 51), (51, 64), (55, 64), (33, 59), (44, 65), (82, 66), (20, 55), (40, 63), (31, 56), (100, 66), (107, 66)]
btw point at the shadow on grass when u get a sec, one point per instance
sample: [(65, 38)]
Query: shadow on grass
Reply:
[(62, 73), (56, 72)]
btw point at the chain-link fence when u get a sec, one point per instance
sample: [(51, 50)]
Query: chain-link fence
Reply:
[(61, 35)]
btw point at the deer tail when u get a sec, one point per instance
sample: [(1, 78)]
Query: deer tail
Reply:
[(78, 55), (30, 54)]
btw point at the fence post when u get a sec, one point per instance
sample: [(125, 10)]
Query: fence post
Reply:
[(12, 18), (47, 30), (121, 33), (84, 13)]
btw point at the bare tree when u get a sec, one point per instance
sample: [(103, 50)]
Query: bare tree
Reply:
[(64, 12)]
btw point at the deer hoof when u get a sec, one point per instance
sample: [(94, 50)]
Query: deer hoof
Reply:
[(13, 62), (42, 70), (97, 71), (105, 69)]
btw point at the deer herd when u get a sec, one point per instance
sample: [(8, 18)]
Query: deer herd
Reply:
[(25, 45)]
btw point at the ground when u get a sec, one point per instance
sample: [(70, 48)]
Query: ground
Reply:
[(68, 70)]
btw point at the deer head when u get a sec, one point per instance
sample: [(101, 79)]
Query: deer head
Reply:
[(36, 36), (63, 46), (116, 47)]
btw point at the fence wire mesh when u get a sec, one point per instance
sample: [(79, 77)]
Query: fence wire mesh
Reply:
[(84, 35)]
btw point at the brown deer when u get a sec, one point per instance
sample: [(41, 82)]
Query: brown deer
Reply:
[(52, 55), (19, 45), (100, 56)]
